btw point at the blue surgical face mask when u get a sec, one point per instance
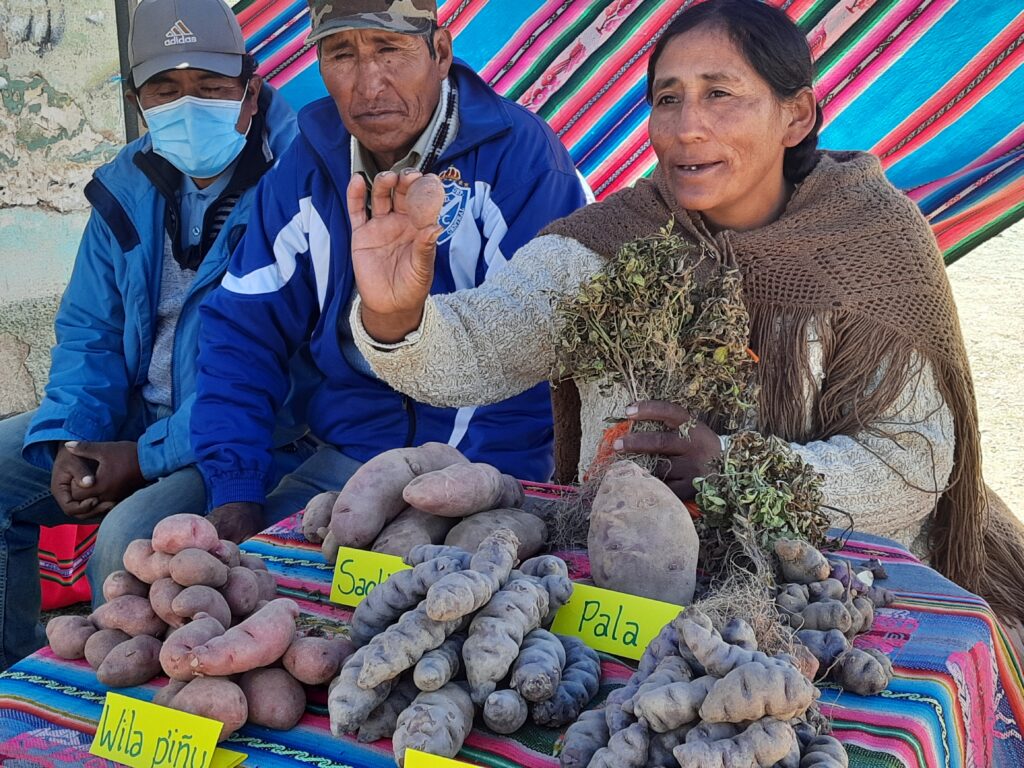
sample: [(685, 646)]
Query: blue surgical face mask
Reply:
[(197, 136)]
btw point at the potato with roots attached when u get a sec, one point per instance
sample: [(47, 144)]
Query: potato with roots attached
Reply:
[(801, 562), (201, 599), (131, 614), (348, 703), (642, 540), (316, 660), (467, 591), (382, 721), (537, 670), (316, 517), (530, 530), (101, 643), (436, 722), (216, 698), (763, 744), (583, 739), (757, 690), (123, 583), (133, 662), (456, 491), (145, 563), (68, 635), (175, 657), (196, 567), (411, 528), (184, 531), (276, 699), (258, 641), (505, 711), (400, 592), (373, 495)]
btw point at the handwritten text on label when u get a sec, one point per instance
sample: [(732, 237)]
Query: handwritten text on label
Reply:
[(357, 572)]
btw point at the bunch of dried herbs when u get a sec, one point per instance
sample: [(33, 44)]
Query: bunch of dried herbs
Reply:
[(758, 491), (666, 321)]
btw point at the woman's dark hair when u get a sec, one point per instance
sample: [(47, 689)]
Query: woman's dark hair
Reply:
[(772, 44)]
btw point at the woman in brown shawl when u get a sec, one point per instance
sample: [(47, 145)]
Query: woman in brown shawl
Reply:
[(863, 367)]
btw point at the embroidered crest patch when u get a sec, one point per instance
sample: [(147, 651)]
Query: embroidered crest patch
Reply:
[(456, 201)]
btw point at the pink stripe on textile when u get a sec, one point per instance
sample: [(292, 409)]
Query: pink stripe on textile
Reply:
[(970, 189), (890, 721), (858, 78), (283, 54), (889, 148), (592, 41), (593, 113), (297, 67), (514, 47), (835, 24), (966, 224), (467, 13)]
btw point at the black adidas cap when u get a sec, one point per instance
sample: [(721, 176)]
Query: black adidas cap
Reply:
[(184, 34)]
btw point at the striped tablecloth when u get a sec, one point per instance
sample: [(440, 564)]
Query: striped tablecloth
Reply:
[(957, 700)]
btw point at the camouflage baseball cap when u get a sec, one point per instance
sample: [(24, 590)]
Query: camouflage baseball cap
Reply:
[(409, 17)]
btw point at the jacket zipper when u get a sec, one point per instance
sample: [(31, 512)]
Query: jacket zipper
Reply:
[(410, 411)]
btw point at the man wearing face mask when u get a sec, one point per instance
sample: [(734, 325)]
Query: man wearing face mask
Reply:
[(109, 442)]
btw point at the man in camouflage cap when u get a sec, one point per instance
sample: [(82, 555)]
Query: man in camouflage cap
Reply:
[(400, 105)]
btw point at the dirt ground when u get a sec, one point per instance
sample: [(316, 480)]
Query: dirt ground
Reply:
[(988, 285)]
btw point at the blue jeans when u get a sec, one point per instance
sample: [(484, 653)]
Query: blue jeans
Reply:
[(26, 504)]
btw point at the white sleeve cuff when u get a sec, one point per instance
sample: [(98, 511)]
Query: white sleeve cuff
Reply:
[(360, 334)]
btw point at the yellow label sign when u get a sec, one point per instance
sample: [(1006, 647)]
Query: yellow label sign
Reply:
[(144, 735), (416, 759), (357, 572), (613, 622)]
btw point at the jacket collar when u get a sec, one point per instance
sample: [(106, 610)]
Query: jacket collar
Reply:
[(483, 116)]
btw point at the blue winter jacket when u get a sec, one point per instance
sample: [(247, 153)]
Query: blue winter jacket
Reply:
[(106, 323), (506, 176)]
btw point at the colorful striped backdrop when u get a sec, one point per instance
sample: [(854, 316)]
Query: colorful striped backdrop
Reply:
[(933, 87)]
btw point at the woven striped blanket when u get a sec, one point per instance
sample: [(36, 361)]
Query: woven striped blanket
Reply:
[(957, 700), (933, 87)]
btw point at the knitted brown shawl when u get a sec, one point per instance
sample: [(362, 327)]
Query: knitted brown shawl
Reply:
[(856, 254)]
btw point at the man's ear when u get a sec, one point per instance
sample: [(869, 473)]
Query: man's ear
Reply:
[(131, 101), (445, 55)]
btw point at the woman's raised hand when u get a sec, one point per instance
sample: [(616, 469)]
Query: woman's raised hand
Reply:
[(393, 249)]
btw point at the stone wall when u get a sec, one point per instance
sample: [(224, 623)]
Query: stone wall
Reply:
[(60, 117)]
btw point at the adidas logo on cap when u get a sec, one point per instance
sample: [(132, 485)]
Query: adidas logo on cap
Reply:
[(179, 34)]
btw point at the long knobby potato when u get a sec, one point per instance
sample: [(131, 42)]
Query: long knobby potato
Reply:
[(674, 705), (400, 592), (412, 528), (456, 491), (258, 641), (761, 745), (642, 540), (757, 690), (581, 678), (712, 652), (381, 723), (424, 552), (505, 711), (175, 653), (184, 531), (615, 715), (401, 645), (133, 662), (438, 667), (68, 635), (672, 669), (583, 738), (348, 703), (468, 590), (373, 495), (626, 749), (436, 722), (537, 670)]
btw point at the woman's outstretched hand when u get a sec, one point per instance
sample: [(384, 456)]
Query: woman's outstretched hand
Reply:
[(393, 249), (684, 458)]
